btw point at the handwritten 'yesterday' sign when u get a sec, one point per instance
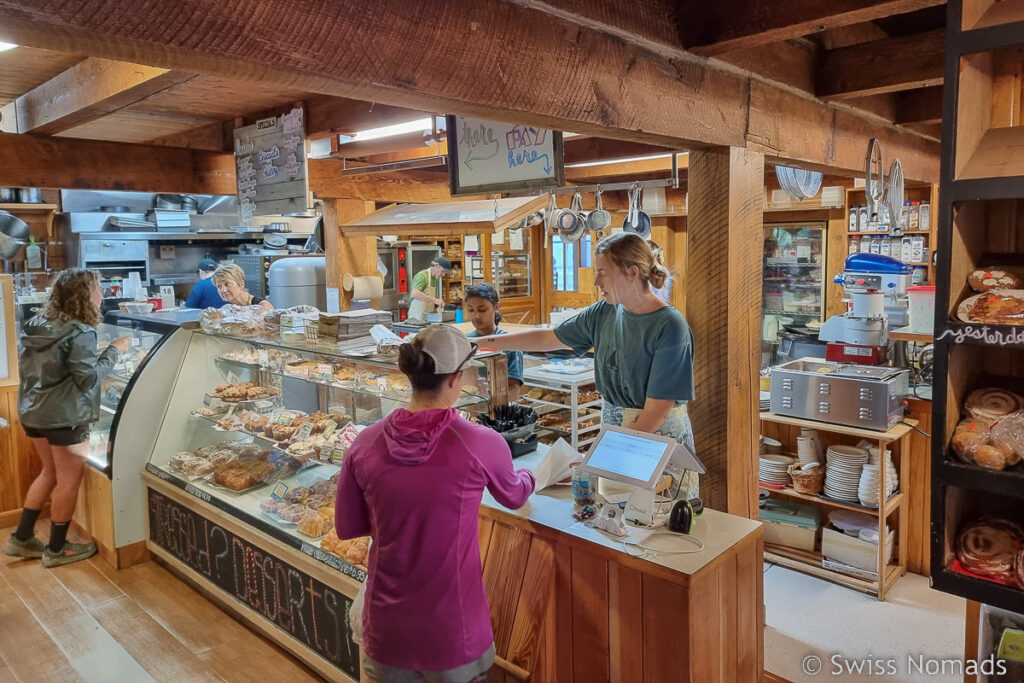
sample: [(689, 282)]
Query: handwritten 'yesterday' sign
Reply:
[(270, 163), (485, 157)]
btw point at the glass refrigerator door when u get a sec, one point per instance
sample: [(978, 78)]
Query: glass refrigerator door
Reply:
[(794, 284)]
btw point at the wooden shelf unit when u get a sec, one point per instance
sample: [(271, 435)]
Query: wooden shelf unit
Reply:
[(915, 193), (896, 439), (981, 224)]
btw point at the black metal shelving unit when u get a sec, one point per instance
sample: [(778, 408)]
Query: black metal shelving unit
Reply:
[(966, 353)]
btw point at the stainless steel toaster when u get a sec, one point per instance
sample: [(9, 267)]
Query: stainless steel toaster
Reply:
[(865, 396)]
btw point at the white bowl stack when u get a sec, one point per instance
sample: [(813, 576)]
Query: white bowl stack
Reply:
[(892, 481), (867, 491), (845, 466), (808, 448), (769, 446), (774, 469)]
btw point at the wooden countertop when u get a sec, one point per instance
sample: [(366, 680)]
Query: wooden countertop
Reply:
[(508, 327), (553, 507)]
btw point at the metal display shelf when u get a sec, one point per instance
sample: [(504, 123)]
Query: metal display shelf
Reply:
[(581, 434)]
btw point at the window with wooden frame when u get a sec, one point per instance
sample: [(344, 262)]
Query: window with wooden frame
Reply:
[(566, 260)]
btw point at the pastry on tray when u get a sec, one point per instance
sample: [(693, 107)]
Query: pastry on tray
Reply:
[(292, 512), (299, 494), (211, 411), (987, 279), (992, 404), (315, 525), (353, 551), (270, 504), (998, 307)]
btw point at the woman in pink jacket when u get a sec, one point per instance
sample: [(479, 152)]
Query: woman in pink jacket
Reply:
[(414, 482)]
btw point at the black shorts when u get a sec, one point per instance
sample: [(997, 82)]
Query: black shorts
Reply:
[(61, 436)]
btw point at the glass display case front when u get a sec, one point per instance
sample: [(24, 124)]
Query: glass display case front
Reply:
[(511, 274), (794, 285), (116, 386), (259, 429)]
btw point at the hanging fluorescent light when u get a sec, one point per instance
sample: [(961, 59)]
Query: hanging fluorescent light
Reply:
[(392, 130), (623, 160), (4, 47)]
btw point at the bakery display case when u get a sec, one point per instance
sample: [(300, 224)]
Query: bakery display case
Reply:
[(511, 274), (563, 393), (259, 429), (240, 485)]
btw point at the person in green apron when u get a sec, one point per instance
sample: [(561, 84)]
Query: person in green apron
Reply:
[(643, 347), (426, 289)]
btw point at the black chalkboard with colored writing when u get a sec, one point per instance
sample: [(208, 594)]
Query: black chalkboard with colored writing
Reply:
[(312, 612)]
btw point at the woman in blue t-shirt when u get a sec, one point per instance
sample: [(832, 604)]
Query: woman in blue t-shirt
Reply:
[(643, 347), (481, 304)]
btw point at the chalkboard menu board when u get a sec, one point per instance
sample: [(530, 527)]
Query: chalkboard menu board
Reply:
[(301, 606), (270, 163), (488, 157)]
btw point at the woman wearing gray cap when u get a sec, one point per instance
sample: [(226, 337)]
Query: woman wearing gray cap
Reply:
[(413, 482), (204, 294)]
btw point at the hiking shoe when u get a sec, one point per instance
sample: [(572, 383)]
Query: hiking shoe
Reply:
[(71, 552), (33, 547)]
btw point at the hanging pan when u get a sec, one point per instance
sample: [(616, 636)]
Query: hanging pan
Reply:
[(599, 219), (637, 221)]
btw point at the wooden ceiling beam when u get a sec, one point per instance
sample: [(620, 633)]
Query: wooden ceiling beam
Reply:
[(713, 28), (90, 90), (54, 162), (923, 105), (327, 115), (883, 66), (559, 74)]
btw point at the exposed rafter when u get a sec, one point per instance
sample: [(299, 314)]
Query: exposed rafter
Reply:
[(883, 66), (712, 28), (923, 105), (89, 90)]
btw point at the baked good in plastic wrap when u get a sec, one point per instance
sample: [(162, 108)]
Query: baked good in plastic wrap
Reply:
[(233, 320), (239, 475), (270, 504), (1008, 434), (315, 525), (292, 512), (989, 547), (992, 404), (1019, 567), (987, 279)]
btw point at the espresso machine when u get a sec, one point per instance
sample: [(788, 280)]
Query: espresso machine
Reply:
[(876, 296)]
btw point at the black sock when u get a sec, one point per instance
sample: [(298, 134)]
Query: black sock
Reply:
[(27, 526), (58, 535)]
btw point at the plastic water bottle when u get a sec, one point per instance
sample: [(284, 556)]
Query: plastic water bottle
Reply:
[(33, 255), (458, 315)]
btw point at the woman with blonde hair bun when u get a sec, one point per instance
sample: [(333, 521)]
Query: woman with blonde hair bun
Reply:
[(643, 347)]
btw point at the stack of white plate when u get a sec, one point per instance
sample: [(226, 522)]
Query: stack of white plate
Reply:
[(842, 478), (766, 401), (867, 491), (774, 469)]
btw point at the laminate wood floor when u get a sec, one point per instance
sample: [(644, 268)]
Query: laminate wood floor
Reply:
[(88, 622)]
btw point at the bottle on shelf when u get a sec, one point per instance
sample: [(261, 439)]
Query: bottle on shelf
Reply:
[(876, 245), (917, 249), (865, 245), (862, 218), (906, 249), (924, 219), (914, 216), (854, 220), (886, 247), (855, 245)]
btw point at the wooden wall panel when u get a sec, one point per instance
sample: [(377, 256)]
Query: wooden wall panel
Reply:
[(625, 624), (666, 633), (919, 491), (503, 577), (537, 587), (11, 491), (589, 617), (347, 254)]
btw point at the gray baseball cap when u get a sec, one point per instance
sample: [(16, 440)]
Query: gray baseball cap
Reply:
[(447, 346)]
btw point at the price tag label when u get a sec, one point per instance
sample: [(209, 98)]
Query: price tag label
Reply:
[(331, 426), (325, 370), (232, 377), (304, 431), (276, 415), (231, 410), (338, 456), (136, 342), (382, 385), (286, 417), (326, 453), (207, 400), (279, 490), (263, 357), (305, 373)]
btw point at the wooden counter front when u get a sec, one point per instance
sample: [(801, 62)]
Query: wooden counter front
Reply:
[(569, 604)]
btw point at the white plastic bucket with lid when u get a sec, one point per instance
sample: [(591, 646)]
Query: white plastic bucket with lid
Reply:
[(922, 308)]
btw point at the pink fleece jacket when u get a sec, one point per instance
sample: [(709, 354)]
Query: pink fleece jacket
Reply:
[(414, 482)]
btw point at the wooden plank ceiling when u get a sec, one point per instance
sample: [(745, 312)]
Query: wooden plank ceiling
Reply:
[(816, 69)]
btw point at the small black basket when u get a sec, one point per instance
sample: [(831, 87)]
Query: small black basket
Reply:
[(522, 446)]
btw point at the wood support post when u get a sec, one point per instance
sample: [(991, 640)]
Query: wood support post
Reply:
[(724, 239), (356, 255)]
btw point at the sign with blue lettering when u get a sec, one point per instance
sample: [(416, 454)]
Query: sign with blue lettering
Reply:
[(270, 164), (486, 157)]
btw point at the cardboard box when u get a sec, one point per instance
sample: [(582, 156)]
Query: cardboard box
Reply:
[(836, 545), (790, 524)]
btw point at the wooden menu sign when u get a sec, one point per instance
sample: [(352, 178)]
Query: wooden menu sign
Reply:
[(487, 157), (270, 162), (308, 610)]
